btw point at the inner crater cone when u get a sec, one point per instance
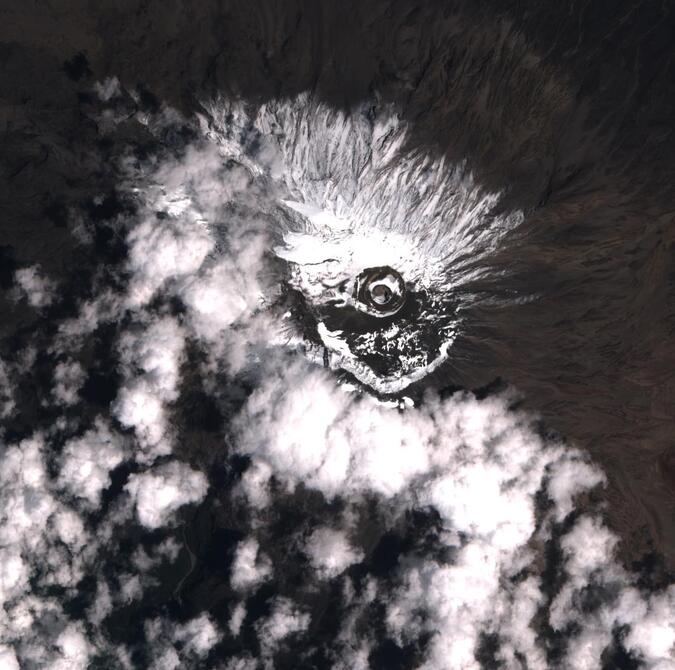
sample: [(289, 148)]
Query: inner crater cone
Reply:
[(382, 289)]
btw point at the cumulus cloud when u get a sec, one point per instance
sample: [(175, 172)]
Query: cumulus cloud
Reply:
[(8, 659), (652, 634), (42, 542), (48, 547), (161, 491), (567, 479), (86, 463), (331, 552), (108, 88), (250, 567), (167, 550), (151, 357), (181, 645), (68, 379), (590, 564), (161, 250), (227, 292), (106, 307), (236, 619), (74, 649), (254, 484), (284, 620), (480, 465), (37, 289), (198, 635), (180, 201), (306, 435)]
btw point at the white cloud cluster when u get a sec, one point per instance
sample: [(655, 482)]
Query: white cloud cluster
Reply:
[(8, 660), (226, 291), (68, 379), (86, 463), (75, 650), (253, 484), (170, 238), (151, 357), (284, 620), (590, 563), (307, 429), (167, 550), (108, 88), (237, 618), (181, 645), (45, 545), (41, 542), (330, 552), (480, 465), (158, 493), (188, 240), (191, 194), (107, 306), (37, 289), (250, 566), (163, 249)]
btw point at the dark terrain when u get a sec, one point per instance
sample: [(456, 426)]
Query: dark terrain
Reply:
[(570, 104)]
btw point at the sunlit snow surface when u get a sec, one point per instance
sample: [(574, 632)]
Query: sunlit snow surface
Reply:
[(244, 242), (356, 197)]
